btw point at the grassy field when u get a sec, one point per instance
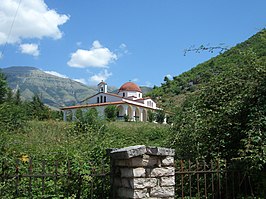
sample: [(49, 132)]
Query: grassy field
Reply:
[(53, 139)]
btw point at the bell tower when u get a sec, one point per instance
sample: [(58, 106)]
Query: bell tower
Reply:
[(102, 87)]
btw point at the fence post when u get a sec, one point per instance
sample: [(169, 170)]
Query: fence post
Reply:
[(142, 172)]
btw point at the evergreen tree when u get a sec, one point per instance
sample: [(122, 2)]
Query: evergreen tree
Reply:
[(37, 109), (17, 98), (3, 88)]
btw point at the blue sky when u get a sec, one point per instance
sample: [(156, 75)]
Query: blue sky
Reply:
[(121, 40)]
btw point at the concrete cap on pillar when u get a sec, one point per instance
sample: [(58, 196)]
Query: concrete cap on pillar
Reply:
[(138, 150)]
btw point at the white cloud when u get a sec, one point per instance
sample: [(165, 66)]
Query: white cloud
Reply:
[(135, 80), (81, 80), (56, 74), (169, 76), (97, 56), (34, 20), (102, 76), (78, 43), (30, 49), (123, 48)]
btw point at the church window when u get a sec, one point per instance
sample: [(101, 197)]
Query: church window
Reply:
[(98, 100), (104, 98), (101, 99)]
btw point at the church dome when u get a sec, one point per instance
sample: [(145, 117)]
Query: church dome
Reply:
[(130, 86)]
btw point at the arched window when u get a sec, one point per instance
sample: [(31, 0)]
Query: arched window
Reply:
[(104, 99), (101, 99), (98, 100)]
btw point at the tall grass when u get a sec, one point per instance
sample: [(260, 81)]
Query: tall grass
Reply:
[(54, 139)]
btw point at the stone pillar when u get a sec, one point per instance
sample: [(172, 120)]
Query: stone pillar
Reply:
[(74, 114), (64, 116), (141, 114), (142, 172), (133, 113), (125, 109)]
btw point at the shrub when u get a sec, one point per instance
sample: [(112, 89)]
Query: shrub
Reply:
[(110, 113)]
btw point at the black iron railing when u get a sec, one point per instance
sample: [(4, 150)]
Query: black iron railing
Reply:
[(49, 179), (215, 180)]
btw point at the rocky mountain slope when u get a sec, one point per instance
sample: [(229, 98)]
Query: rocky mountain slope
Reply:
[(54, 91)]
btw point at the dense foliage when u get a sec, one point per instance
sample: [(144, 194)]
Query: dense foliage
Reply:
[(82, 144), (220, 108), (14, 112)]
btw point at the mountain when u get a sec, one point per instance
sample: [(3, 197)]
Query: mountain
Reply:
[(54, 91), (172, 93)]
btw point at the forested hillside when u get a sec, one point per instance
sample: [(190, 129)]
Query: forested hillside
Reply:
[(172, 93), (220, 108)]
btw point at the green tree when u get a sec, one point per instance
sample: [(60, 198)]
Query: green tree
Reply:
[(151, 116), (17, 98), (160, 116), (79, 115), (91, 116), (37, 110), (12, 117), (3, 88), (110, 113), (226, 118)]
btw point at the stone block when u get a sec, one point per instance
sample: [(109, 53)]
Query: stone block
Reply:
[(140, 183), (163, 171), (128, 152), (121, 163), (125, 182), (162, 192), (168, 161), (132, 172), (117, 182), (168, 181), (160, 151), (130, 193), (138, 150)]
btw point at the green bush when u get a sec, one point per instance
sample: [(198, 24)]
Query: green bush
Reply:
[(110, 113)]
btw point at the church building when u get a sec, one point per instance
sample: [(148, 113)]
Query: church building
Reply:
[(128, 100)]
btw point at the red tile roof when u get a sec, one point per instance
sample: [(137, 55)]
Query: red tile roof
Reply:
[(130, 86)]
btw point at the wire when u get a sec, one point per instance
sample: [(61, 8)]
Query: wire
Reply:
[(10, 30)]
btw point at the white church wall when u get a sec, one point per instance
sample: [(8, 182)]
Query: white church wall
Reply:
[(102, 97), (126, 94)]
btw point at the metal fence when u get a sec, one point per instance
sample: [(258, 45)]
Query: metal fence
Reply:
[(56, 179), (215, 180), (67, 179)]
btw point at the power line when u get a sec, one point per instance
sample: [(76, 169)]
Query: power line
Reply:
[(10, 30)]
